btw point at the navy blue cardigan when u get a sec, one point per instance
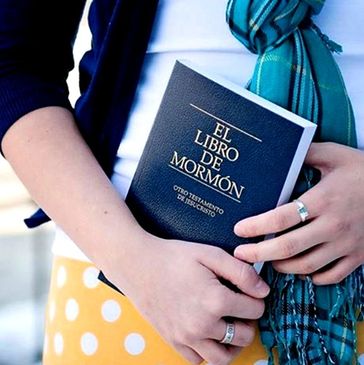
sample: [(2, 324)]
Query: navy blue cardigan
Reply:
[(36, 41)]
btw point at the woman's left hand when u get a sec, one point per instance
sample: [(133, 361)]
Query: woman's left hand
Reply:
[(331, 245)]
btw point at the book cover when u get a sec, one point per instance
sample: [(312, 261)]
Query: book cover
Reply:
[(216, 154)]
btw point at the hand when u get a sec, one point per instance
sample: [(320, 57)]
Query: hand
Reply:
[(176, 287), (331, 245)]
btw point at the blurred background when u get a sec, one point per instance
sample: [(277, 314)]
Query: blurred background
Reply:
[(25, 255)]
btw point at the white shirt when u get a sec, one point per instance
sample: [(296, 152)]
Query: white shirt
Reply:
[(196, 30)]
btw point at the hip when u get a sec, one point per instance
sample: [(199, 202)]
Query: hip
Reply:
[(89, 323)]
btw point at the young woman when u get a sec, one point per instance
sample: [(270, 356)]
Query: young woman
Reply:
[(174, 305)]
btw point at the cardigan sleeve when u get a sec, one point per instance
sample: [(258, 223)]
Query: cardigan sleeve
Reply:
[(36, 41)]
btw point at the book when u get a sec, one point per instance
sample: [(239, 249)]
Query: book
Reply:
[(216, 154)]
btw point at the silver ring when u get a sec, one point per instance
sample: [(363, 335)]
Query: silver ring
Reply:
[(229, 334), (302, 210)]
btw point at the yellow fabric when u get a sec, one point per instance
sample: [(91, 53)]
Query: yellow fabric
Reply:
[(87, 323)]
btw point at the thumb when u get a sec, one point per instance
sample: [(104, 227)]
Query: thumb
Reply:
[(239, 273)]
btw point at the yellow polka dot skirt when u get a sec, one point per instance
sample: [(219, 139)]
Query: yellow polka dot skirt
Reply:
[(89, 323)]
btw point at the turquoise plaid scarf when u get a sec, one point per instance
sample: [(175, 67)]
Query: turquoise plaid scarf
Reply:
[(296, 70)]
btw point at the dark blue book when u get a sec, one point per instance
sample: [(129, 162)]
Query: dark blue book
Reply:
[(216, 154)]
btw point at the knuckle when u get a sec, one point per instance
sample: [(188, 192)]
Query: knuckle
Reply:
[(279, 222), (217, 252), (288, 247), (173, 336), (184, 337), (189, 334), (357, 238), (250, 229), (360, 259), (281, 266), (323, 203), (306, 268), (340, 226), (207, 250), (198, 330), (346, 247), (218, 307), (201, 328), (338, 277)]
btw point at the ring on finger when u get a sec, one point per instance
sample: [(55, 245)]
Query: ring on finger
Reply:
[(229, 334), (302, 210)]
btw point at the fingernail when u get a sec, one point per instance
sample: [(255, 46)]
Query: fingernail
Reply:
[(262, 288), (236, 228), (237, 251)]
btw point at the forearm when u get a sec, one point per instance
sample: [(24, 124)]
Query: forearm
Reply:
[(53, 161), (51, 158)]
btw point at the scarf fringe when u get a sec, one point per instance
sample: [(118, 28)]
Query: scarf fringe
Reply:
[(298, 346)]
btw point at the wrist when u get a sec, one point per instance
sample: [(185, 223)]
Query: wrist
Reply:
[(122, 259)]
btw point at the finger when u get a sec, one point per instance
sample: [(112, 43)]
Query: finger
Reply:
[(243, 336), (242, 306), (324, 155), (337, 272), (189, 354), (317, 155), (316, 259), (215, 353), (286, 245), (278, 219), (327, 155), (238, 273)]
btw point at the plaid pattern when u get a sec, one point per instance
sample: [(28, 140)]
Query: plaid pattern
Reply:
[(296, 70)]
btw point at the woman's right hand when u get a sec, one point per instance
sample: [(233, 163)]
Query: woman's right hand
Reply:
[(175, 285)]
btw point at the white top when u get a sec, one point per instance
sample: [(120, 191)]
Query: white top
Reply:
[(196, 30)]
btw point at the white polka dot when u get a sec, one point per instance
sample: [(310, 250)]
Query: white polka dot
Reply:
[(89, 343), (61, 276), (45, 344), (361, 359), (52, 310), (90, 277), (110, 310), (261, 362), (72, 309), (134, 344), (58, 343)]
